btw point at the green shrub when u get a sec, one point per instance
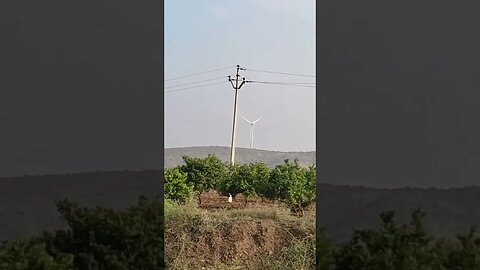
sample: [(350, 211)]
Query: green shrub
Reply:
[(204, 173), (325, 249), (102, 238), (392, 247), (292, 184), (467, 256), (176, 186), (245, 179), (28, 255)]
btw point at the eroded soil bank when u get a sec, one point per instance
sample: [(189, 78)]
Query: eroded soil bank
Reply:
[(252, 237)]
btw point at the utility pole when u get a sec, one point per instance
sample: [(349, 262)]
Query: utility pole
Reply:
[(236, 87)]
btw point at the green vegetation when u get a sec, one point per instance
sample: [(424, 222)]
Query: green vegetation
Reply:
[(246, 179), (262, 236), (176, 185), (203, 174), (24, 255), (98, 238), (287, 182), (293, 185), (399, 247), (271, 237)]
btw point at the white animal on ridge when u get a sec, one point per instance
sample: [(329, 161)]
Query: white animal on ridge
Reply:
[(229, 197)]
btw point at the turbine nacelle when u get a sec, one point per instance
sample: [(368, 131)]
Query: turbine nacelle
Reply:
[(251, 123)]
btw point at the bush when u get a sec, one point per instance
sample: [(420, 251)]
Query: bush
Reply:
[(176, 186), (102, 238), (399, 247), (392, 247), (204, 173), (311, 182), (292, 184), (27, 255), (245, 179), (325, 259), (468, 255)]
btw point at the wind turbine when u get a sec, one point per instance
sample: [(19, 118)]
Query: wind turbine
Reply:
[(251, 129)]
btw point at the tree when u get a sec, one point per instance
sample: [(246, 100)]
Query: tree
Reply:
[(102, 238), (292, 184), (467, 256), (325, 251), (204, 173), (230, 183), (392, 247), (245, 179), (176, 186), (311, 182)]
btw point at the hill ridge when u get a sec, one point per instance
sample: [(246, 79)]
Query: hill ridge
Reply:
[(173, 156)]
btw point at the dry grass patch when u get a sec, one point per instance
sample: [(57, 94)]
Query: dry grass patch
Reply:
[(247, 238)]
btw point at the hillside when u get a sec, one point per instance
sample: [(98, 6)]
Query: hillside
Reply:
[(449, 211), (173, 156), (27, 203)]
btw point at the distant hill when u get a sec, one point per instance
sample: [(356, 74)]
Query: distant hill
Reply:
[(449, 211), (173, 156), (27, 204)]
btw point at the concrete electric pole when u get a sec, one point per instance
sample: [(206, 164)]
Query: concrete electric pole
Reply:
[(236, 87)]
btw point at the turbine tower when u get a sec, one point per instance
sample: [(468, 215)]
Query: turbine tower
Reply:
[(251, 129)]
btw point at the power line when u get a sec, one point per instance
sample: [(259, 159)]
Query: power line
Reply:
[(192, 87), (199, 73), (213, 79), (283, 73), (284, 83)]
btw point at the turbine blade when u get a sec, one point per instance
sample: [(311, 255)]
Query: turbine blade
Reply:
[(256, 121), (246, 120)]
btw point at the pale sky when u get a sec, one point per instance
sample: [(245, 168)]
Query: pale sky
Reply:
[(268, 35)]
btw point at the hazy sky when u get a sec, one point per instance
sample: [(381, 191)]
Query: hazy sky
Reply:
[(269, 35)]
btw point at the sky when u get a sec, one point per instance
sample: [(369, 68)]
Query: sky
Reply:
[(267, 35)]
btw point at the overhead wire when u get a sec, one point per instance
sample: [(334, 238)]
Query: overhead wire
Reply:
[(192, 87), (283, 73), (285, 83), (207, 80), (296, 84), (199, 73)]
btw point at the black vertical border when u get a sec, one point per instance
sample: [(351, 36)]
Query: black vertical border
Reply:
[(162, 118)]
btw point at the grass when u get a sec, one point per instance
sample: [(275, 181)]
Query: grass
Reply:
[(187, 225)]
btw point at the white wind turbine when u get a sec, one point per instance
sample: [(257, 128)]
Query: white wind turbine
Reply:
[(251, 129)]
